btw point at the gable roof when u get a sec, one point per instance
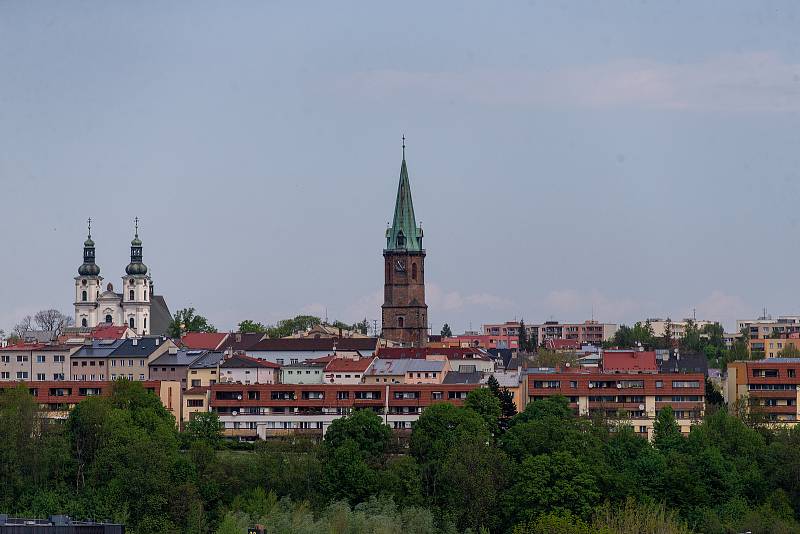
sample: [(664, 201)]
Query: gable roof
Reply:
[(208, 360), (241, 342), (240, 361), (462, 378), (181, 357), (107, 331), (101, 348), (345, 365), (203, 340), (139, 347)]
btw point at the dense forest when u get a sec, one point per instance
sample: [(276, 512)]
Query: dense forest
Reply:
[(475, 469)]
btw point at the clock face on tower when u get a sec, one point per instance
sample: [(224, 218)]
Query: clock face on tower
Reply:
[(400, 266)]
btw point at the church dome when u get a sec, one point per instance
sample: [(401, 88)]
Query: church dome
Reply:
[(89, 269), (88, 242), (136, 242), (136, 268)]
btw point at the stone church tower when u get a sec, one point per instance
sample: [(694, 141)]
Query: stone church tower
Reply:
[(404, 314)]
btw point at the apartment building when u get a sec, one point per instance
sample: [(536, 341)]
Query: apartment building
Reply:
[(109, 359), (630, 396), (269, 410), (173, 365), (58, 397), (35, 361), (305, 372), (677, 328), (346, 371), (774, 347), (770, 386), (587, 332), (765, 327)]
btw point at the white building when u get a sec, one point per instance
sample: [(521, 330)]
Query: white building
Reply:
[(136, 306)]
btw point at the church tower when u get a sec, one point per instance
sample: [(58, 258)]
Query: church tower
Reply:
[(404, 314), (87, 285), (136, 295)]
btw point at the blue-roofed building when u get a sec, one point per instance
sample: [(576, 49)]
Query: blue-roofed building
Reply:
[(109, 359)]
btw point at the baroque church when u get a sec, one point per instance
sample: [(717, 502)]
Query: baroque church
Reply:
[(404, 314), (135, 306)]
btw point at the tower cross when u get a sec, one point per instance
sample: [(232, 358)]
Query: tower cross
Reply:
[(90, 227), (404, 146), (136, 222)]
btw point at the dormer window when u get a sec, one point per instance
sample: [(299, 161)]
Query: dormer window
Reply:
[(401, 240)]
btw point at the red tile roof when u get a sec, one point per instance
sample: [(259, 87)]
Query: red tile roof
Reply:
[(203, 340), (196, 390), (629, 360), (25, 346), (108, 332), (344, 365)]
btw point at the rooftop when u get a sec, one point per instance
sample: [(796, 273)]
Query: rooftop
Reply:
[(402, 366), (347, 365), (240, 361), (203, 340)]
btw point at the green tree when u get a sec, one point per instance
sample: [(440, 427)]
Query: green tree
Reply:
[(247, 326), (713, 395), (186, 320), (287, 327), (668, 341), (522, 337), (446, 332), (666, 431), (205, 426), (789, 351), (439, 429), (483, 402), (691, 340), (507, 407), (558, 482), (365, 428)]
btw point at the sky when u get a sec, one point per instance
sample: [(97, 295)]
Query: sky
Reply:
[(568, 160)]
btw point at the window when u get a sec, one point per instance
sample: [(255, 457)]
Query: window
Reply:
[(659, 384), (685, 384), (109, 320), (437, 395), (84, 323), (145, 320), (22, 358), (368, 395), (58, 376), (58, 358), (130, 363), (195, 383), (40, 359), (40, 376), (141, 376), (414, 271), (4, 375), (457, 395), (547, 384), (194, 403), (6, 359), (790, 373), (401, 321), (573, 384), (342, 395), (22, 375), (141, 362), (131, 322), (313, 395), (130, 294), (279, 361)]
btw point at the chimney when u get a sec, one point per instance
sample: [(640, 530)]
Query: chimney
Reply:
[(173, 350), (135, 342), (158, 340)]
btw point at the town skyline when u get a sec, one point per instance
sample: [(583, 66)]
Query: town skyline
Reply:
[(264, 190)]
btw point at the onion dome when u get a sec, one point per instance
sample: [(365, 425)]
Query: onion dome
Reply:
[(136, 267), (89, 267)]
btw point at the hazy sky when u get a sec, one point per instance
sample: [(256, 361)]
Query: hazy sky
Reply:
[(638, 158)]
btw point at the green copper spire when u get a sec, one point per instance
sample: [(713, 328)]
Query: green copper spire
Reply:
[(404, 233)]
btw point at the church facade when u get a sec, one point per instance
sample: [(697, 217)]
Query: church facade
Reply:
[(404, 314), (135, 305)]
